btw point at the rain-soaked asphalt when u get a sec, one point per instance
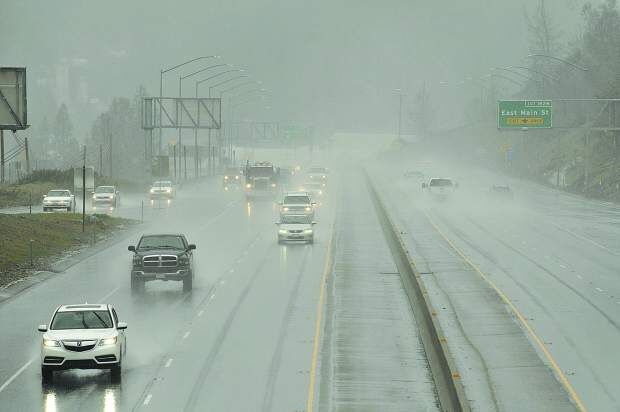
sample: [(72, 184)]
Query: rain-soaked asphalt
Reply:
[(241, 340), (555, 256)]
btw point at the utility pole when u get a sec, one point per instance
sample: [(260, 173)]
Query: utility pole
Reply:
[(84, 189), (196, 152), (1, 156), (400, 112), (27, 155), (209, 153), (174, 159), (101, 160), (184, 161)]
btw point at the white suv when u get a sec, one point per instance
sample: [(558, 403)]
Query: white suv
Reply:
[(297, 203), (83, 337)]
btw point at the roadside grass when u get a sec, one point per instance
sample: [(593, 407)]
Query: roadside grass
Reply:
[(51, 235), (20, 194)]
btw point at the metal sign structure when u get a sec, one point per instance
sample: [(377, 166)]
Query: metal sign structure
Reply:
[(181, 113), (13, 102), (519, 114)]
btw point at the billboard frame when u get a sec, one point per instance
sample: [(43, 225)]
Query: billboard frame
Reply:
[(17, 109)]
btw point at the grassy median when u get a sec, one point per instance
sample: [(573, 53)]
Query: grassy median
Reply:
[(51, 235)]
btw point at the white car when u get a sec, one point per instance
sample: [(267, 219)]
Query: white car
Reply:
[(440, 188), (295, 228), (297, 203), (163, 189), (318, 174), (83, 337), (59, 199), (107, 197), (315, 189)]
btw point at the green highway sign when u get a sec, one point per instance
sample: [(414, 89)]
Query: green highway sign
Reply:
[(519, 114)]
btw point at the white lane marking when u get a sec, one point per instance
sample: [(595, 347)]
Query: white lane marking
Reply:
[(16, 374), (231, 270), (577, 235), (29, 362), (562, 266), (186, 335), (212, 296), (200, 313), (147, 400), (580, 277), (109, 294), (167, 365), (222, 282), (599, 289)]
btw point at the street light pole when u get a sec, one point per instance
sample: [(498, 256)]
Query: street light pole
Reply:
[(161, 86), (400, 113)]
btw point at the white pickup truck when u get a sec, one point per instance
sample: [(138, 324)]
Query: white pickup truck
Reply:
[(59, 199), (440, 188)]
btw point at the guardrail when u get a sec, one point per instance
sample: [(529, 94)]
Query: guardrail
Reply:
[(447, 379)]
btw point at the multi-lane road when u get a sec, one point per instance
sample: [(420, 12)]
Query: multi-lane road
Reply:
[(329, 326)]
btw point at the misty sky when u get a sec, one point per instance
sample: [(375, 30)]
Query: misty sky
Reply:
[(330, 63)]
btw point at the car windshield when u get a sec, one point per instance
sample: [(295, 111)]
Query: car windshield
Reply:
[(296, 199), (232, 171), (440, 183), (260, 172), (105, 189), (59, 193), (161, 242), (82, 319), (163, 184), (296, 219)]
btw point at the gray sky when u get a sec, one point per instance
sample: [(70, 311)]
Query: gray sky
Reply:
[(333, 63)]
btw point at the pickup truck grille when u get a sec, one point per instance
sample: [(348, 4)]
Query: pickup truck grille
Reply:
[(160, 261)]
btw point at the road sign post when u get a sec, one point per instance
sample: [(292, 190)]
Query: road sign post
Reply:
[(520, 114)]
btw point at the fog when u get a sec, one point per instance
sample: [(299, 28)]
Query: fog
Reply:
[(330, 64)]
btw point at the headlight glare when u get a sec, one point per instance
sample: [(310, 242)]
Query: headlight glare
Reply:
[(108, 341), (308, 231), (51, 343), (282, 232)]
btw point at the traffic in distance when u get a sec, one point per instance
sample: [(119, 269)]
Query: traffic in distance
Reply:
[(90, 336)]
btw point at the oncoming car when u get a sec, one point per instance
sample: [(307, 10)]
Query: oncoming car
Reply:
[(106, 196), (297, 203), (59, 199), (162, 257), (163, 189), (233, 176), (296, 228), (83, 337), (315, 189)]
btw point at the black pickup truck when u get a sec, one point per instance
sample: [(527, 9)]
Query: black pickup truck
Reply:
[(162, 257)]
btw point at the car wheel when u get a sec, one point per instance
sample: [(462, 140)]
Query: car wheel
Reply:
[(115, 371), (187, 283), (45, 209), (47, 375), (137, 286)]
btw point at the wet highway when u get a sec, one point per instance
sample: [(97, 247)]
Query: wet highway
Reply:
[(249, 322), (555, 256)]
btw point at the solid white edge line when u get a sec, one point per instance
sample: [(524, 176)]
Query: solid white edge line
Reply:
[(168, 363), (16, 374), (186, 335), (109, 294)]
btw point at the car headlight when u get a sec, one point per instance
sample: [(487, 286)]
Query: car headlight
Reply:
[(168, 190), (273, 185), (152, 190), (308, 208), (282, 232), (308, 231), (108, 341), (285, 209), (249, 186), (184, 260), (320, 192), (94, 197), (236, 177), (225, 177), (323, 177), (51, 343)]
